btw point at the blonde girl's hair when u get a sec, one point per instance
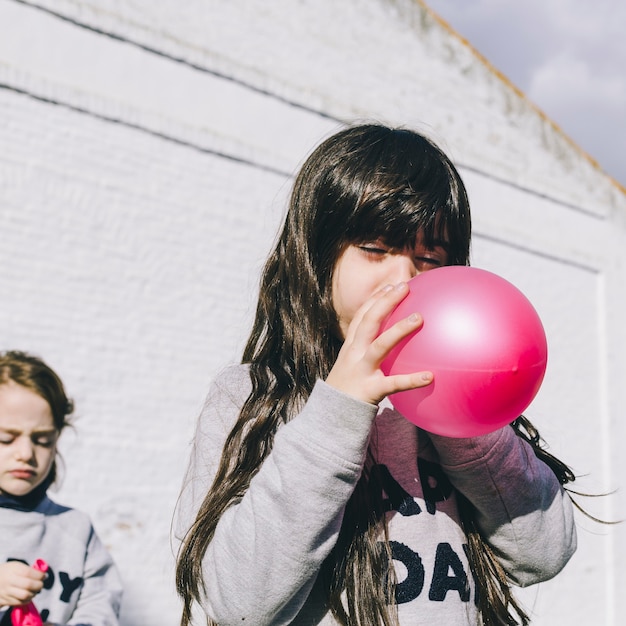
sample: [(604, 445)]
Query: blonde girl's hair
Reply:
[(365, 183), (34, 374)]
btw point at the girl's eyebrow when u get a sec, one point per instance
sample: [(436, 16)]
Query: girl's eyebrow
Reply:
[(438, 243), (16, 431), (10, 431)]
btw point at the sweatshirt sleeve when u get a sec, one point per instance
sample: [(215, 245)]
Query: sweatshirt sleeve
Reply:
[(101, 593), (522, 510), (268, 548)]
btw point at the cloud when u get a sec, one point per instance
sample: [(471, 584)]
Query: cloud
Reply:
[(589, 104), (567, 56), (565, 82)]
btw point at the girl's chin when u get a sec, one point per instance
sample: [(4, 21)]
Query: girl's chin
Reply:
[(17, 489), (15, 493)]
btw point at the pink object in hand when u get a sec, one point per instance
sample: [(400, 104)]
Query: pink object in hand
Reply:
[(27, 614), (484, 343)]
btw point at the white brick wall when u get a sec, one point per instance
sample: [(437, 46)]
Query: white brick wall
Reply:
[(145, 153)]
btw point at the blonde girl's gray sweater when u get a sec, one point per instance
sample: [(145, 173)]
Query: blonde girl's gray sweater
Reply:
[(83, 587)]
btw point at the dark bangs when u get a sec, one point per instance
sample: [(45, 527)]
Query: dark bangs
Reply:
[(372, 182), (412, 187)]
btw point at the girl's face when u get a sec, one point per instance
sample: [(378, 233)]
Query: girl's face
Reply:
[(362, 269), (27, 439)]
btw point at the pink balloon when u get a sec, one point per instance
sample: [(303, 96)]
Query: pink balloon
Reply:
[(484, 343), (27, 614)]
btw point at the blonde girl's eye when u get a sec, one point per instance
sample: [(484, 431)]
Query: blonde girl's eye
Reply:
[(46, 440), (6, 439)]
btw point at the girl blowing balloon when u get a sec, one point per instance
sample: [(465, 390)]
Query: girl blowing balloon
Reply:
[(308, 498), (81, 585)]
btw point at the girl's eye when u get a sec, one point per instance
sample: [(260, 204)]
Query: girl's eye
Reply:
[(6, 440), (374, 250), (428, 262), (45, 441)]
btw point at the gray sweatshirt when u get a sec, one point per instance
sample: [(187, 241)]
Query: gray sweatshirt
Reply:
[(262, 565), (83, 587)]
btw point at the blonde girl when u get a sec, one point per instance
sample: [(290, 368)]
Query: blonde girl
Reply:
[(81, 586)]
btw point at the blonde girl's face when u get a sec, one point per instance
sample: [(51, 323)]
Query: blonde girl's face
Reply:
[(27, 439), (363, 269)]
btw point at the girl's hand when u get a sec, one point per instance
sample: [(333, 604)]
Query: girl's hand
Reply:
[(19, 583), (356, 371)]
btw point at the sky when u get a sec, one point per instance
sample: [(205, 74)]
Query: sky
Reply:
[(567, 56)]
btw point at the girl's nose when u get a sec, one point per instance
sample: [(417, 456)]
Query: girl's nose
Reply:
[(24, 449), (404, 268)]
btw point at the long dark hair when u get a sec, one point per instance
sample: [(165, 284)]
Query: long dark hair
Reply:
[(364, 183)]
